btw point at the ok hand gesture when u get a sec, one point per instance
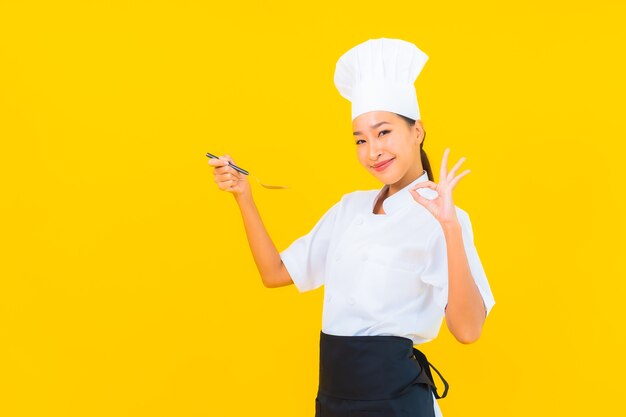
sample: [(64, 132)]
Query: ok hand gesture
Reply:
[(442, 207)]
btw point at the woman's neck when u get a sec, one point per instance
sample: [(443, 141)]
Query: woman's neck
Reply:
[(403, 182)]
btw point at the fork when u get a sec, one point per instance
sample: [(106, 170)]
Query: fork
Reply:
[(243, 171)]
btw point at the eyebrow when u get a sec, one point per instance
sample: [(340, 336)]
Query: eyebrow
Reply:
[(371, 127)]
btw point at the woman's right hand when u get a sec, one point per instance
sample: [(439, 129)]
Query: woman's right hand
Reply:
[(229, 179)]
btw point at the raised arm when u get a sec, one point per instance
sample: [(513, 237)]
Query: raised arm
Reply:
[(266, 257), (466, 309)]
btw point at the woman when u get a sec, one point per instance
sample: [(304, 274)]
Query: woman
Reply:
[(393, 262)]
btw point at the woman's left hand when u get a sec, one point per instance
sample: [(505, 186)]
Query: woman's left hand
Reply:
[(442, 207)]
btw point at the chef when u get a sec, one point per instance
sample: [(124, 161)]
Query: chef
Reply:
[(393, 261)]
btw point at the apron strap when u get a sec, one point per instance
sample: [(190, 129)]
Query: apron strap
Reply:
[(426, 376)]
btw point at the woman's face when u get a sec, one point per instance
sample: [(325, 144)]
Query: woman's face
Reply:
[(382, 136)]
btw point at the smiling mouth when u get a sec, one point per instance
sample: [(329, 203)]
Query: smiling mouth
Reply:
[(383, 163)]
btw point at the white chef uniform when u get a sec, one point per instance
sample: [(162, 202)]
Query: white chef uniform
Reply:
[(384, 274)]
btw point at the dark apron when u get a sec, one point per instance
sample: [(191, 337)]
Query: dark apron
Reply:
[(374, 376)]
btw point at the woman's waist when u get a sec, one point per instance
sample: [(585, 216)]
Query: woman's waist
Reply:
[(361, 326), (366, 367)]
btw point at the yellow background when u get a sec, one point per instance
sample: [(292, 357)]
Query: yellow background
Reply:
[(127, 286)]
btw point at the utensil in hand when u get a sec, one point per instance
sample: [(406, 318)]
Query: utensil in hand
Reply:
[(243, 171)]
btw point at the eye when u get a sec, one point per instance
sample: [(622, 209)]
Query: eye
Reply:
[(383, 131), (357, 142)]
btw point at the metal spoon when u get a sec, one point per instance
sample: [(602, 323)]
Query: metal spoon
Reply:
[(243, 171)]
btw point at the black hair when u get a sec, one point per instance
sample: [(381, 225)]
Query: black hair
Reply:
[(425, 161)]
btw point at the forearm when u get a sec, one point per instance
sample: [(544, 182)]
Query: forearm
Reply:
[(264, 252), (465, 312)]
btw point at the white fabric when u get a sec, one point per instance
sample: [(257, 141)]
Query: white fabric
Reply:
[(378, 75), (383, 274)]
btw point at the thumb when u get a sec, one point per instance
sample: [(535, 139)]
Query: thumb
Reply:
[(419, 198), (226, 157)]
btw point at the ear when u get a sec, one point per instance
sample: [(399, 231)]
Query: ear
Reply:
[(418, 132)]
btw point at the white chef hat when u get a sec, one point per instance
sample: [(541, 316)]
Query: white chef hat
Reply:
[(378, 75)]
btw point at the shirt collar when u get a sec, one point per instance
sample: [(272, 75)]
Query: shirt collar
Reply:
[(402, 198)]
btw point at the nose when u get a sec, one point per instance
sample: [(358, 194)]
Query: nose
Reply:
[(374, 150)]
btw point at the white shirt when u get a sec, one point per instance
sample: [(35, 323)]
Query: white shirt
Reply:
[(384, 274)]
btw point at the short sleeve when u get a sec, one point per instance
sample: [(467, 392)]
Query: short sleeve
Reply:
[(436, 271), (305, 258)]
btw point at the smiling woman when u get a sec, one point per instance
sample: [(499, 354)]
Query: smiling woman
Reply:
[(394, 261), (380, 132)]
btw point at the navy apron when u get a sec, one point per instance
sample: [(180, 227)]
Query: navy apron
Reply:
[(374, 376)]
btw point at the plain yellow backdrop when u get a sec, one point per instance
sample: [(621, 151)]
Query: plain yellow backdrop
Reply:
[(127, 287)]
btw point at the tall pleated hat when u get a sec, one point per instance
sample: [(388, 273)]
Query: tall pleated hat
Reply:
[(379, 75)]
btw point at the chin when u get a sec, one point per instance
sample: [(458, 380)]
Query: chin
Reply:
[(384, 177)]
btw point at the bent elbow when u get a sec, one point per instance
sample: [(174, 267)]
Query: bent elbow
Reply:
[(276, 280), (467, 338), (268, 283)]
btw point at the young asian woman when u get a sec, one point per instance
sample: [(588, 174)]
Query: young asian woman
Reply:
[(393, 261)]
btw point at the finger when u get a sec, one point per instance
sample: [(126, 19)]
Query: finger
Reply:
[(224, 185), (217, 162), (225, 176), (226, 157), (458, 177), (425, 184), (225, 168), (443, 171), (419, 198), (456, 166)]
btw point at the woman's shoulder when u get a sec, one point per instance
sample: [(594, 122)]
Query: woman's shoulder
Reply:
[(358, 197), (353, 201)]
